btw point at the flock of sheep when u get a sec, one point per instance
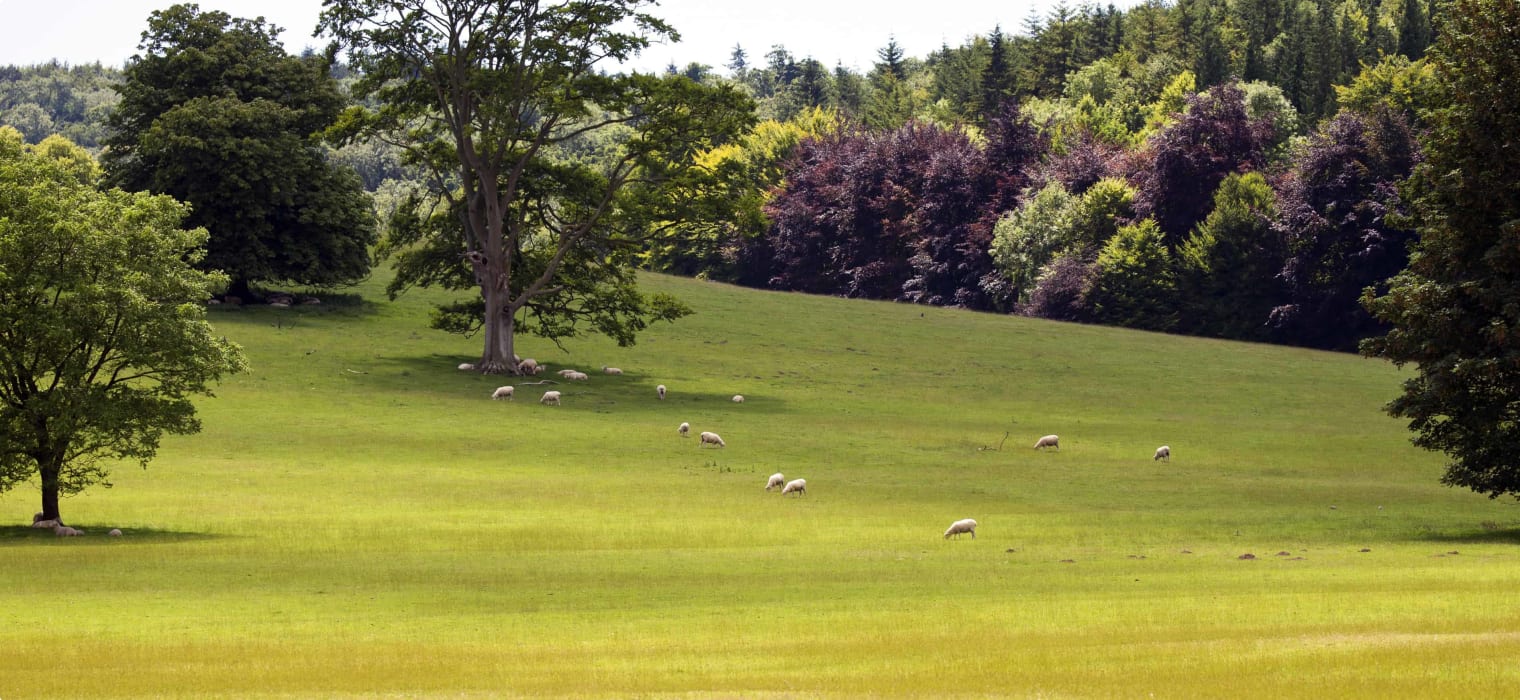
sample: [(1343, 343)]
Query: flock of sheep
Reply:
[(777, 480), (60, 530)]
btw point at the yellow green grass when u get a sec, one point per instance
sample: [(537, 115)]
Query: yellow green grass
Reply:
[(359, 519)]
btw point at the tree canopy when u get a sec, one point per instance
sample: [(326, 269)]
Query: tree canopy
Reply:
[(103, 340), (217, 115), (1454, 311)]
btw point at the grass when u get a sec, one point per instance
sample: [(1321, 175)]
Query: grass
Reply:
[(357, 519)]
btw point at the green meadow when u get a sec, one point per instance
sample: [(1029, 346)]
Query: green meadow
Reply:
[(358, 519)]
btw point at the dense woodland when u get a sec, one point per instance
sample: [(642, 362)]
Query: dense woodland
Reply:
[(1221, 168)]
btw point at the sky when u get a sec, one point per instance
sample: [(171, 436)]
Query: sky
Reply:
[(86, 31)]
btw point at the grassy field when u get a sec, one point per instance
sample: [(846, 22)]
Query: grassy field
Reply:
[(358, 519)]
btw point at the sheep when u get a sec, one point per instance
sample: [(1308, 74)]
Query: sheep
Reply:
[(776, 480), (710, 439), (611, 370), (661, 391), (1163, 453), (528, 366), (738, 398), (1048, 441), (66, 531), (115, 532), (467, 366), (959, 527), (577, 376), (46, 524), (550, 398), (502, 392), (565, 372), (797, 486), (684, 429)]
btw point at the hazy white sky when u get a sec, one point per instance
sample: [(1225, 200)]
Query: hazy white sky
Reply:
[(84, 31)]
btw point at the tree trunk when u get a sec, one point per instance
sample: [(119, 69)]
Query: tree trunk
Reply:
[(497, 357), (241, 289), (50, 493)]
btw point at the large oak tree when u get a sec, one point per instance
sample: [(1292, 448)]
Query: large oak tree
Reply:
[(504, 106)]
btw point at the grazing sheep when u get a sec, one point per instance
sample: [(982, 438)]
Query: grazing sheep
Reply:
[(528, 366), (710, 439), (467, 366), (66, 531), (550, 398), (960, 527), (661, 391), (684, 429), (1048, 441), (738, 398), (46, 524), (565, 372), (577, 376), (611, 370), (1163, 453), (503, 392), (114, 533), (776, 480), (797, 486)]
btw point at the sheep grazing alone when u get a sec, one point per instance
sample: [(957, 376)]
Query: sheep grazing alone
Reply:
[(551, 398), (661, 391), (114, 533), (1048, 441), (961, 527), (684, 429), (467, 366), (611, 370), (738, 398), (710, 439), (797, 486), (1163, 453), (502, 392), (776, 480)]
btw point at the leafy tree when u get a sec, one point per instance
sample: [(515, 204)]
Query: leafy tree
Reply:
[(1453, 312), (1031, 236), (1134, 283), (217, 115), (1395, 82), (104, 339), (1184, 163), (485, 98), (1061, 291), (1339, 209), (1230, 264)]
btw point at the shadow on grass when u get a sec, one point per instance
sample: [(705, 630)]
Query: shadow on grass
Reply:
[(628, 390), (15, 535), (333, 306), (1485, 534)]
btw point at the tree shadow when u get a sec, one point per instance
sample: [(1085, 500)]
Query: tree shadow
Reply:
[(340, 306), (19, 535), (1487, 533)]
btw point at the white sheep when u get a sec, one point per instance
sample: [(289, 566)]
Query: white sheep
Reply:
[(528, 366), (577, 376), (684, 429), (661, 391), (775, 481), (46, 524), (66, 531), (1048, 441), (115, 532), (503, 392), (738, 398), (797, 486), (611, 370), (710, 439), (1163, 453), (550, 398), (467, 366), (565, 372), (959, 527)]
